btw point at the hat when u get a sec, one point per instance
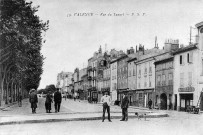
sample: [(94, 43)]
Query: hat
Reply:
[(32, 90)]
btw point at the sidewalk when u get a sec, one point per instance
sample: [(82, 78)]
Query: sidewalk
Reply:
[(70, 111)]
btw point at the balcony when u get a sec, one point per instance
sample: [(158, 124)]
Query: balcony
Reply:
[(89, 78), (94, 69), (94, 88), (89, 68)]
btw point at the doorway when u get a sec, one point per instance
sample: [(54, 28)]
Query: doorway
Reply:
[(163, 99)]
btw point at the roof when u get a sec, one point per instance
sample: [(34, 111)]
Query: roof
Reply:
[(185, 49), (199, 24), (164, 60)]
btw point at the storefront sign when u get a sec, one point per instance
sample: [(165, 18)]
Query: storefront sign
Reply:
[(186, 89)]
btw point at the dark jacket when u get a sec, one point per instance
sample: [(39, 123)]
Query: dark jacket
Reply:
[(33, 98), (125, 102), (57, 97), (48, 98), (150, 103)]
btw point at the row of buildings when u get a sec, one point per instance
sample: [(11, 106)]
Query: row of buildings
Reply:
[(172, 77)]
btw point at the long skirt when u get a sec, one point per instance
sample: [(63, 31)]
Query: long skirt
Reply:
[(48, 106), (33, 105)]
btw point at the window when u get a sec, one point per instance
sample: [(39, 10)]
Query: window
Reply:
[(139, 85), (190, 78), (181, 80), (159, 80), (181, 59), (189, 57), (164, 79), (134, 73), (164, 66), (140, 96), (150, 69), (150, 83), (170, 79), (145, 71), (145, 82)]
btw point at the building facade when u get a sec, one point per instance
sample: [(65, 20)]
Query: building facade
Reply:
[(82, 90), (122, 74), (164, 72), (113, 80), (63, 81), (146, 76), (188, 71)]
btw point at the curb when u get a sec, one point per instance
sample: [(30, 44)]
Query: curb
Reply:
[(74, 119)]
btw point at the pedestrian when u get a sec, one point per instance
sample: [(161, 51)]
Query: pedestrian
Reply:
[(106, 100), (150, 104), (48, 102), (20, 99), (33, 100), (75, 96), (124, 107), (57, 100), (65, 96)]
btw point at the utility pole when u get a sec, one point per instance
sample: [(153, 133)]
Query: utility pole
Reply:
[(190, 35), (155, 41)]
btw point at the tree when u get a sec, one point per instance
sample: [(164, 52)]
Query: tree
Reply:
[(20, 45)]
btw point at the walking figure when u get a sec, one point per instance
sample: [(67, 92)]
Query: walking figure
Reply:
[(150, 104), (33, 100), (106, 100), (124, 107), (57, 100), (48, 102), (20, 99)]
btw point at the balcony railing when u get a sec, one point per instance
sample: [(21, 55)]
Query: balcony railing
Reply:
[(89, 68), (94, 69), (89, 78), (94, 88)]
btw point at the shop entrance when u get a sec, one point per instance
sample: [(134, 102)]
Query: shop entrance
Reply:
[(185, 100), (163, 99), (201, 101), (175, 105)]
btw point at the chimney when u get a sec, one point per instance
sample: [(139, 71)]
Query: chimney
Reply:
[(155, 42), (143, 49), (136, 48)]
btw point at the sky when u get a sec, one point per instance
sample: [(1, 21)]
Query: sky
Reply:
[(71, 39)]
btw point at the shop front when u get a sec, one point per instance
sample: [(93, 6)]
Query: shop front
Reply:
[(92, 95), (186, 97), (186, 100), (142, 97)]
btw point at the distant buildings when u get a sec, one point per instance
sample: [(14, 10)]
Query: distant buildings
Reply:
[(63, 81), (172, 77)]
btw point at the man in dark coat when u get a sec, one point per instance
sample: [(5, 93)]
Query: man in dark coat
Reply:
[(57, 100), (33, 100), (124, 107), (20, 99), (150, 104), (48, 102)]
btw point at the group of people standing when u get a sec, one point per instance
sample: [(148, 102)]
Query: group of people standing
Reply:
[(49, 100), (106, 100)]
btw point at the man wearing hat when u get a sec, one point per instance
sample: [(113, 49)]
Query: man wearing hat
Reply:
[(124, 107), (106, 100), (57, 100), (33, 100)]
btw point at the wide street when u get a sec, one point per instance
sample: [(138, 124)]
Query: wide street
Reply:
[(186, 124), (177, 123)]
